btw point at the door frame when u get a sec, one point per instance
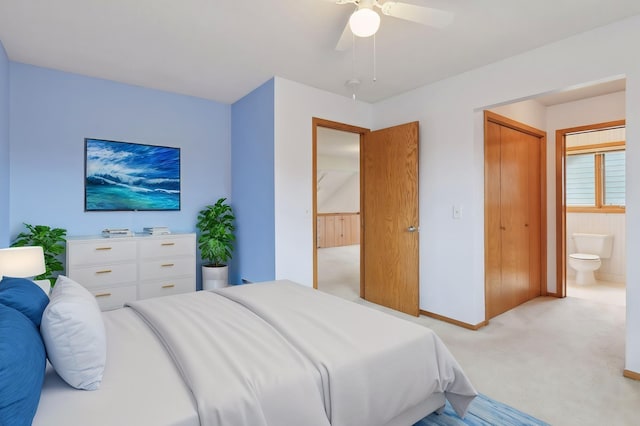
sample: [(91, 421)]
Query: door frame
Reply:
[(490, 116), (561, 208), (320, 122)]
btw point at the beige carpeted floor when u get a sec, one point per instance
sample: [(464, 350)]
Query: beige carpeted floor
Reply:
[(560, 360)]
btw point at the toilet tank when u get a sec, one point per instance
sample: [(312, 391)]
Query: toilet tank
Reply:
[(598, 244)]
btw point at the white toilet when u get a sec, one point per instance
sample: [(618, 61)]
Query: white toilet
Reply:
[(590, 249)]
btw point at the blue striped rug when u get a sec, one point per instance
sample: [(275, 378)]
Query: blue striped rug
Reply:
[(483, 411)]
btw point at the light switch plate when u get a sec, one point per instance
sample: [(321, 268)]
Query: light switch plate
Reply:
[(457, 212)]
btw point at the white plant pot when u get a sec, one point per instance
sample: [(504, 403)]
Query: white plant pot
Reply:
[(215, 277)]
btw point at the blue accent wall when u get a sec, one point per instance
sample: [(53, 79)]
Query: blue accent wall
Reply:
[(4, 148), (51, 114), (252, 165)]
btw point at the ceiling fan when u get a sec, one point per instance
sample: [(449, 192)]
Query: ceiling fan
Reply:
[(365, 21)]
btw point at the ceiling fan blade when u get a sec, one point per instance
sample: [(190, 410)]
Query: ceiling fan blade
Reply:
[(341, 1), (346, 39), (422, 15)]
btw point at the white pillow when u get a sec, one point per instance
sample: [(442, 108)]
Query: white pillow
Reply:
[(73, 333)]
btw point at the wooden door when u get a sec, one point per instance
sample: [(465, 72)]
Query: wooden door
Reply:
[(345, 223), (354, 224), (390, 218), (513, 213), (330, 235), (340, 234), (320, 240), (514, 217)]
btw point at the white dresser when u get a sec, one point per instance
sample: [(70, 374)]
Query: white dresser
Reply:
[(118, 270)]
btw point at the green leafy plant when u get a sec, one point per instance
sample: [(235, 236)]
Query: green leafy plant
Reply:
[(216, 238), (52, 242)]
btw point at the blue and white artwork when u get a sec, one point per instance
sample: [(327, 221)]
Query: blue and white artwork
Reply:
[(130, 176)]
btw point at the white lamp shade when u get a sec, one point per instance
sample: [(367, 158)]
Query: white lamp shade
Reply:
[(22, 262), (364, 22)]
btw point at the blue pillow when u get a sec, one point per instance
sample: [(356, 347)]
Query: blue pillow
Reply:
[(22, 367), (24, 296)]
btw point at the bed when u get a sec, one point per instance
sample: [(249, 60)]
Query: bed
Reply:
[(273, 353)]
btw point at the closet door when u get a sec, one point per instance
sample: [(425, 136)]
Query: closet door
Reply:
[(514, 217), (513, 209)]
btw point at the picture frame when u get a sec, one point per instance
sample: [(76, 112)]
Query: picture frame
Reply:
[(127, 176)]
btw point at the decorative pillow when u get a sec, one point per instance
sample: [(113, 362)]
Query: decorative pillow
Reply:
[(22, 367), (74, 335), (24, 296)]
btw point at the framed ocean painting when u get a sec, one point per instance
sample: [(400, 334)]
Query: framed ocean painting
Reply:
[(130, 176)]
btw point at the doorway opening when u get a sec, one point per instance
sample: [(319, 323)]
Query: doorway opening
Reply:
[(591, 211), (337, 209)]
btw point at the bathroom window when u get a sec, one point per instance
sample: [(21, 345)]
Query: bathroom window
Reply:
[(614, 180), (595, 179), (581, 180)]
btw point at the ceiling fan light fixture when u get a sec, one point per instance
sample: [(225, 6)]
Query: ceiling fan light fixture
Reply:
[(364, 22)]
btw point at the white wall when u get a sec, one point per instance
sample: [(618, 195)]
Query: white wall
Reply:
[(451, 161), (530, 112), (339, 190), (295, 106), (332, 162), (345, 197)]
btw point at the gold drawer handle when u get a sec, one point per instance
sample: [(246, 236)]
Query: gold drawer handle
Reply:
[(168, 244), (169, 286), (103, 294), (103, 248), (167, 265), (106, 271)]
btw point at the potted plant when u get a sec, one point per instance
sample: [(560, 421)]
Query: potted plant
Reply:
[(215, 223), (53, 244)]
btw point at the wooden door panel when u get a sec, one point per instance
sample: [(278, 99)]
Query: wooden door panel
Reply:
[(320, 232), (493, 230), (390, 196), (355, 229), (337, 231), (514, 195), (535, 217), (330, 231), (345, 225)]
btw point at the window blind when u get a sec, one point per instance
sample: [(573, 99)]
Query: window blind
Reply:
[(614, 178), (581, 180)]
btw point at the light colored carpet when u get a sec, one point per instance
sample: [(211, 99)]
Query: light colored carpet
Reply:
[(559, 360)]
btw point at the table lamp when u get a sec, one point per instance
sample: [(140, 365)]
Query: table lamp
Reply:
[(24, 262)]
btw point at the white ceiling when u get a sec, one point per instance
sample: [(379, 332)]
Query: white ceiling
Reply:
[(221, 50)]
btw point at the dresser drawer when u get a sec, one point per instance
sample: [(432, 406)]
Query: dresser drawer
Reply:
[(166, 287), (167, 247), (163, 268), (101, 252), (114, 297), (103, 275), (119, 270)]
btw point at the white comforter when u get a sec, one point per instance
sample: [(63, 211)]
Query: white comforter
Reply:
[(373, 365), (279, 354), (239, 369)]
